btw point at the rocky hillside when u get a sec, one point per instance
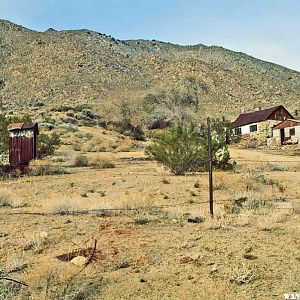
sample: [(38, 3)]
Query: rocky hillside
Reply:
[(82, 66)]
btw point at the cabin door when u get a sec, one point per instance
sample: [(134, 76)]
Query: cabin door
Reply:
[(282, 137)]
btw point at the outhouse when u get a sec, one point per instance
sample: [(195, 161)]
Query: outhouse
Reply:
[(22, 144)]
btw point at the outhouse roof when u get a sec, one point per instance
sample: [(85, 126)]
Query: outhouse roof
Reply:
[(23, 126)]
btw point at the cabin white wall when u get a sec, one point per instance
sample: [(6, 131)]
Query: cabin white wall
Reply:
[(297, 131), (276, 133), (287, 131), (246, 128)]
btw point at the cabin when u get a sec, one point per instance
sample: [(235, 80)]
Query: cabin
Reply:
[(22, 144), (259, 124), (287, 132)]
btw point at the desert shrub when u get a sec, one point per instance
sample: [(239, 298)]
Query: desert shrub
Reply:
[(87, 136), (131, 121), (68, 128), (243, 274), (99, 163), (247, 201), (47, 125), (47, 144), (77, 147), (5, 199), (178, 150), (45, 169), (62, 206), (185, 148), (81, 161), (36, 242)]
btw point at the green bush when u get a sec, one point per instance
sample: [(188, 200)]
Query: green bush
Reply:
[(47, 144), (179, 149), (77, 147), (185, 148)]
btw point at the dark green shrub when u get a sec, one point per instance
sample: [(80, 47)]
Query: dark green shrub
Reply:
[(47, 144), (179, 149), (185, 148)]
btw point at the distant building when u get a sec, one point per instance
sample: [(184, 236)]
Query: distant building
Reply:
[(22, 144), (259, 124)]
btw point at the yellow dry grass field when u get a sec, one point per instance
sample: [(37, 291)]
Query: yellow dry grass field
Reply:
[(117, 226)]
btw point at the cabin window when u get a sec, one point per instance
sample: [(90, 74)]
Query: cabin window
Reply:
[(292, 131), (253, 128), (238, 131)]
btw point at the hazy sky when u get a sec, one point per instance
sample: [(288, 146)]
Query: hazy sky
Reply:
[(266, 29)]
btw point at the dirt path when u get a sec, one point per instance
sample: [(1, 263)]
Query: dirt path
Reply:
[(261, 156)]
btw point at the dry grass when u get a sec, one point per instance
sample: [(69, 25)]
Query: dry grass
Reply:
[(63, 206), (46, 167), (8, 199), (36, 242), (101, 163), (243, 274), (150, 246)]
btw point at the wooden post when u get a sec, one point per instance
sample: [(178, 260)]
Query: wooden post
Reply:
[(210, 161)]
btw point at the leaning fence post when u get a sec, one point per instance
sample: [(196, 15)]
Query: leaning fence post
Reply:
[(210, 162)]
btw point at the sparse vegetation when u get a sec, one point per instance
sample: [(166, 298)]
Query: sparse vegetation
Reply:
[(152, 229), (81, 161), (47, 144), (38, 168), (99, 163), (5, 199)]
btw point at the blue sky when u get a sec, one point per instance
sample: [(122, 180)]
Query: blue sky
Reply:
[(266, 29)]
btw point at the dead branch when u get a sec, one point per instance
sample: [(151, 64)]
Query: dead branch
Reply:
[(13, 280)]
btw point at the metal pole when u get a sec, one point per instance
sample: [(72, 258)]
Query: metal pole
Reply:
[(211, 195)]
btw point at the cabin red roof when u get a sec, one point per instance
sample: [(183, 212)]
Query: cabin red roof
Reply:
[(255, 116), (287, 123)]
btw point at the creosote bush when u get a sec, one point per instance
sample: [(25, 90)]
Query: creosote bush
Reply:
[(184, 148), (178, 150)]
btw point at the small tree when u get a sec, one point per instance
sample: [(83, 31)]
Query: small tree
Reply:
[(5, 120)]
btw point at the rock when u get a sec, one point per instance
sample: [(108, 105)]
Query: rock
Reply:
[(214, 269), (250, 256), (197, 219), (248, 249), (38, 103), (79, 261), (43, 234)]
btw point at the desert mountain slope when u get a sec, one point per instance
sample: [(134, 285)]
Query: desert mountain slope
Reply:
[(86, 66)]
